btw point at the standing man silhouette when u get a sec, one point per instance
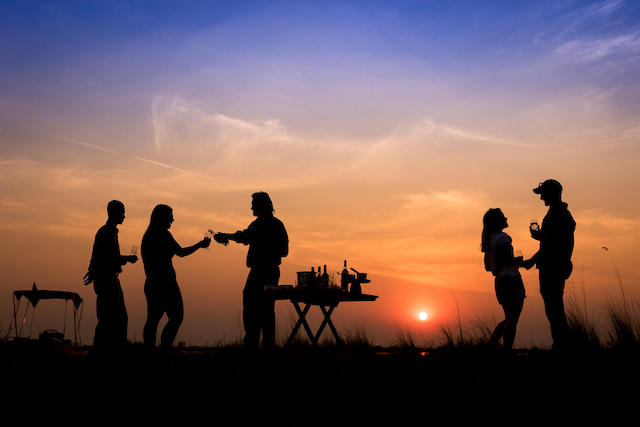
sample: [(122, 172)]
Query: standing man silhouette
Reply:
[(553, 259), (268, 244), (105, 266)]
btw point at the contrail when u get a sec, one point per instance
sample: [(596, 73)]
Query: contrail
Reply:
[(163, 165), (142, 159), (86, 144)]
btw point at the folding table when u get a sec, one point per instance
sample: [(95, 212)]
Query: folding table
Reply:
[(325, 298)]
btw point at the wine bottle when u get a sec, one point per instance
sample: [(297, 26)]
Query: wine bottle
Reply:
[(344, 278), (325, 278)]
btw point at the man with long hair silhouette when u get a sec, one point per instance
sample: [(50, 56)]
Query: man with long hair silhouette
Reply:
[(553, 259), (268, 244), (105, 266)]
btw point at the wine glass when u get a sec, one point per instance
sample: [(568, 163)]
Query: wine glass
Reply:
[(208, 235), (534, 226), (134, 250)]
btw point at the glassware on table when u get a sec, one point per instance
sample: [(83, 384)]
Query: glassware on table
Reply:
[(534, 226), (134, 250)]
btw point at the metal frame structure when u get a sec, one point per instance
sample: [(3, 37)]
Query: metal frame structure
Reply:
[(34, 295)]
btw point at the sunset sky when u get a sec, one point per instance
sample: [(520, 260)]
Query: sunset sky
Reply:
[(382, 131)]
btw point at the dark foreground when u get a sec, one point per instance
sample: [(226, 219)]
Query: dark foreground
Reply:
[(356, 385)]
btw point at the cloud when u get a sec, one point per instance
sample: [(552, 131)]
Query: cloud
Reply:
[(607, 7), (585, 50), (10, 205), (178, 123), (246, 153), (449, 198)]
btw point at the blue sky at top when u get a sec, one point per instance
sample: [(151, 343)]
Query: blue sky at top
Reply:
[(384, 58)]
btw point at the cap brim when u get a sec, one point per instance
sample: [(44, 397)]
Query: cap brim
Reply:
[(537, 190)]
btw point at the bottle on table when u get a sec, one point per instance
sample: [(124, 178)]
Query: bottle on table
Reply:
[(324, 280), (344, 278)]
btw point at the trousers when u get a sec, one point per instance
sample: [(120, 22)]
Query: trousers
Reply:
[(552, 292), (258, 310), (162, 297), (111, 329)]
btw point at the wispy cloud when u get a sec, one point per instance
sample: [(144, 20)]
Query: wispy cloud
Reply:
[(607, 7), (585, 50), (480, 137), (452, 198), (179, 123), (11, 205)]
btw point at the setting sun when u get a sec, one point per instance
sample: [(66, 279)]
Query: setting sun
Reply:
[(423, 316)]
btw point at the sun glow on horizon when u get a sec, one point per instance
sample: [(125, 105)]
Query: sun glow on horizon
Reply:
[(423, 316)]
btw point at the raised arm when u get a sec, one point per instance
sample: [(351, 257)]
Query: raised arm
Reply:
[(244, 237), (182, 252)]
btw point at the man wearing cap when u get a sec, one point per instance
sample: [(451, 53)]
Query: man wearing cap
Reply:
[(553, 259)]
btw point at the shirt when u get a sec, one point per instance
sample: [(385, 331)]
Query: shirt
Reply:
[(105, 258), (556, 238), (267, 239), (500, 269), (157, 250)]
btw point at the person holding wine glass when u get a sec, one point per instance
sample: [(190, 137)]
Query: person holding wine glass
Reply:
[(553, 259), (161, 286), (268, 244), (104, 268), (509, 288)]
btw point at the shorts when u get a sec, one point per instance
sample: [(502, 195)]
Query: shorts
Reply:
[(510, 290)]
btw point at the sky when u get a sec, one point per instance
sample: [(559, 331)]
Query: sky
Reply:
[(382, 131)]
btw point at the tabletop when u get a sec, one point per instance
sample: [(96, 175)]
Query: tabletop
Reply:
[(325, 296)]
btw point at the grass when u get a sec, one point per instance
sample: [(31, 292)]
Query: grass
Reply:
[(582, 331), (623, 330)]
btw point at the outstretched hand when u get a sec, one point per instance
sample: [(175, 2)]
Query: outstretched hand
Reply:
[(205, 242), (221, 238), (88, 278)]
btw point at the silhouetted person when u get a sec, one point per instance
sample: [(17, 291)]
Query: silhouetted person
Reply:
[(499, 260), (268, 244), (105, 266), (553, 259), (161, 286)]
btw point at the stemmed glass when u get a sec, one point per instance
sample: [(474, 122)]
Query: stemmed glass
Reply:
[(534, 226), (208, 235)]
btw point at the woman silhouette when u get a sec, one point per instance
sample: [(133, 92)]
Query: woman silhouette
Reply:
[(161, 286), (499, 260)]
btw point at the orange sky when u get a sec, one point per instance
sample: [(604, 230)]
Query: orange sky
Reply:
[(411, 220)]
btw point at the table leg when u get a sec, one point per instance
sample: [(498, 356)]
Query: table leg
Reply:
[(301, 322), (327, 321)]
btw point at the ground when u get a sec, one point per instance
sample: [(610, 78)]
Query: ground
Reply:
[(328, 385)]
